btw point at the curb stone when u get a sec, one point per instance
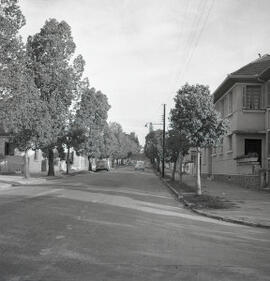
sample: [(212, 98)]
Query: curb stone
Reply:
[(4, 186), (180, 197), (41, 180)]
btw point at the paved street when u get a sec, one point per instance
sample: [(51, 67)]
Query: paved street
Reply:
[(120, 225)]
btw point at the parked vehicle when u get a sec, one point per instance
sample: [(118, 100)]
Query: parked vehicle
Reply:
[(139, 166), (102, 165)]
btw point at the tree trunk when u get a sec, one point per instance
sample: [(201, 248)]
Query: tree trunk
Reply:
[(180, 169), (26, 165), (173, 171), (158, 165), (198, 175), (68, 160), (51, 163), (89, 164)]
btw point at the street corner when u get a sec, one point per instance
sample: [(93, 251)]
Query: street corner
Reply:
[(5, 186)]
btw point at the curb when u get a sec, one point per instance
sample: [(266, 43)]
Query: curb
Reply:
[(180, 197), (42, 180), (5, 186)]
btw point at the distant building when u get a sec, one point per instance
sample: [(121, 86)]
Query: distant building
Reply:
[(12, 160), (244, 154)]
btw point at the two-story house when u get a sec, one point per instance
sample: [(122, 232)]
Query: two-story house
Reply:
[(244, 154)]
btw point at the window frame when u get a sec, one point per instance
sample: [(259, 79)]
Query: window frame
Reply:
[(251, 106), (230, 144)]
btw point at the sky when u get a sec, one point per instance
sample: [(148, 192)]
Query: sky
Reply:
[(139, 52)]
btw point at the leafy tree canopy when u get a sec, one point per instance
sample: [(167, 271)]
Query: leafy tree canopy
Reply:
[(195, 117), (153, 145)]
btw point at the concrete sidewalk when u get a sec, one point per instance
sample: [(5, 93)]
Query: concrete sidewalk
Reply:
[(252, 207), (7, 181)]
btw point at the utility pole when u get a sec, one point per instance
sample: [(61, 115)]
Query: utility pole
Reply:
[(163, 143), (163, 137)]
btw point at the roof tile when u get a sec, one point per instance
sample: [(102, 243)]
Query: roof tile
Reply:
[(254, 68)]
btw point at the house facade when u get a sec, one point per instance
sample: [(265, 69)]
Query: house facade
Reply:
[(243, 155), (12, 160)]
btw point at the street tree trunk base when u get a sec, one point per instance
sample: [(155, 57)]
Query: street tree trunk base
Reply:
[(173, 171), (26, 165), (51, 163), (198, 174)]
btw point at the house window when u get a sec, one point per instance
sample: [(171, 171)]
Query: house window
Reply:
[(9, 149), (36, 155), (268, 94), (230, 143), (252, 97), (268, 144), (221, 146), (230, 103), (226, 106), (72, 157), (204, 156), (222, 108)]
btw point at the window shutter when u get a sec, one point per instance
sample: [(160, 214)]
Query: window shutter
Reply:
[(11, 149), (268, 144), (268, 94), (244, 97), (6, 148), (230, 102)]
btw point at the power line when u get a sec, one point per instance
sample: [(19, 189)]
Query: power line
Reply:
[(203, 20), (190, 39), (185, 15), (201, 31), (193, 39)]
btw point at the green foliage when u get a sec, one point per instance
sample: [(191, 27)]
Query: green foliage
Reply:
[(21, 111), (153, 145), (55, 75), (43, 101), (176, 143), (11, 46), (195, 117), (122, 145), (91, 115)]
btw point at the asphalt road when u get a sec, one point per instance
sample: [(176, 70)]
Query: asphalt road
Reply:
[(120, 225)]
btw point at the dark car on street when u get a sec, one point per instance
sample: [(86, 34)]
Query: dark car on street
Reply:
[(102, 165)]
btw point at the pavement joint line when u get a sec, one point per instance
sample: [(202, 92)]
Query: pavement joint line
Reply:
[(180, 197), (44, 193)]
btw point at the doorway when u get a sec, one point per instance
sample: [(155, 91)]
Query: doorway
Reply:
[(254, 146)]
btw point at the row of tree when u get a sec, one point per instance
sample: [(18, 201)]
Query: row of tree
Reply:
[(194, 123), (44, 101)]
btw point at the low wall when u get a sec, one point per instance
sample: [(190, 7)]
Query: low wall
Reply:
[(12, 164), (15, 165), (248, 181)]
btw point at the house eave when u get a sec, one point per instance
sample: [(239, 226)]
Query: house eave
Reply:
[(249, 132), (232, 79)]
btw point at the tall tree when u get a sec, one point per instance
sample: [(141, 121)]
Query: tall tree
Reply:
[(194, 115), (21, 111), (177, 147), (123, 145), (91, 114), (11, 46), (153, 147), (56, 77)]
